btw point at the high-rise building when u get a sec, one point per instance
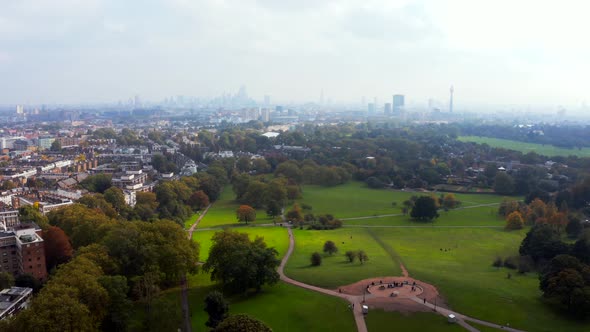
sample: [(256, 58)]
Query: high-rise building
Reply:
[(387, 109), (22, 251), (20, 109), (451, 100), (265, 115), (371, 108), (266, 100), (398, 103)]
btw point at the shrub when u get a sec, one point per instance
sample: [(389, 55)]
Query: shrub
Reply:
[(330, 248), (316, 259), (511, 262), (497, 262), (514, 221), (525, 264)]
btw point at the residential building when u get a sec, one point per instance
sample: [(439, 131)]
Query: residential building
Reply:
[(13, 300)]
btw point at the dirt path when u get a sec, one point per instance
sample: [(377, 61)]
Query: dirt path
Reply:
[(187, 326), (401, 214), (196, 223)]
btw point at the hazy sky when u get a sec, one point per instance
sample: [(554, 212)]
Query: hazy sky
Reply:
[(523, 52)]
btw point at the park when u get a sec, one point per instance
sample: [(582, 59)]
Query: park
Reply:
[(451, 257)]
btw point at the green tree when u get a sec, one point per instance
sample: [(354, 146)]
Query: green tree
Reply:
[(350, 255), (425, 209), (362, 256), (6, 280), (216, 307), (116, 198), (503, 184), (241, 264), (330, 248), (316, 259), (55, 145), (97, 183), (120, 306), (241, 323)]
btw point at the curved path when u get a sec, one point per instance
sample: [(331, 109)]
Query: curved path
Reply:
[(357, 300)]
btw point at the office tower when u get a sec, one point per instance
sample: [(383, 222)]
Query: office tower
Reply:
[(387, 109), (266, 100), (451, 100), (20, 109), (398, 103), (371, 108)]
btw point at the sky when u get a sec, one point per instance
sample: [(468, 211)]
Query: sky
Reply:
[(493, 52)]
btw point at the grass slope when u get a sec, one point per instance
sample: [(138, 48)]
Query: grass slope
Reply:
[(223, 212), (546, 150)]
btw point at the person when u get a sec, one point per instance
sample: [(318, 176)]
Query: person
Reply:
[(339, 290), (424, 300)]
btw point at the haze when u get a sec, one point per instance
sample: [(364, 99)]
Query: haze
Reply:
[(71, 51)]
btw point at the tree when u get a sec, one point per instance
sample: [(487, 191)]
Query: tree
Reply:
[(241, 323), (330, 248), (350, 255), (58, 249), (216, 307), (55, 145), (246, 213), (97, 183), (503, 184), (566, 284), (449, 201), (574, 228), (295, 214), (119, 309), (514, 221), (198, 200), (362, 256), (316, 259), (241, 264), (116, 197), (542, 243), (27, 280), (424, 209), (6, 280)]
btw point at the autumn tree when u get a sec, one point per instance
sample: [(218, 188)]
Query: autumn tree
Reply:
[(198, 200), (295, 214), (514, 221), (246, 213), (58, 249), (330, 248), (449, 201)]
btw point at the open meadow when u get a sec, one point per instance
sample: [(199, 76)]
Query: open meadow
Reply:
[(546, 150), (385, 321)]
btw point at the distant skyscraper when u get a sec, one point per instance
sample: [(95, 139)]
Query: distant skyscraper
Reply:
[(266, 100), (20, 109), (322, 97), (363, 101), (136, 101), (451, 100), (398, 103), (387, 109), (371, 108)]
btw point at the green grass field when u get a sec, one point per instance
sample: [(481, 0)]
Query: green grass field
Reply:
[(355, 199), (223, 212), (336, 270), (276, 237), (383, 321), (546, 150)]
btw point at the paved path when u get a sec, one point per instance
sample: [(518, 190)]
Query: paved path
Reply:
[(196, 223), (356, 301)]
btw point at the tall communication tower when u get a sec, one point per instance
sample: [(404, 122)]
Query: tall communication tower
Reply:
[(451, 100)]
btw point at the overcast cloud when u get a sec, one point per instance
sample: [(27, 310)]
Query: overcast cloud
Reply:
[(495, 52)]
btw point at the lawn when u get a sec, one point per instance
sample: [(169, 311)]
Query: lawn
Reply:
[(382, 321), (355, 199), (223, 212), (336, 270), (465, 277), (283, 307), (546, 150), (276, 237)]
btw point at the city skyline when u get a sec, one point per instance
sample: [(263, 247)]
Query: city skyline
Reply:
[(71, 51)]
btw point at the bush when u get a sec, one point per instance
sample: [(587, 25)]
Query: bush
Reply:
[(330, 248), (350, 255), (525, 264), (497, 262), (514, 221), (316, 259), (512, 262)]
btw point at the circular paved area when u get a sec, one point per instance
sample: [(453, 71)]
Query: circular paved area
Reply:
[(400, 291)]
